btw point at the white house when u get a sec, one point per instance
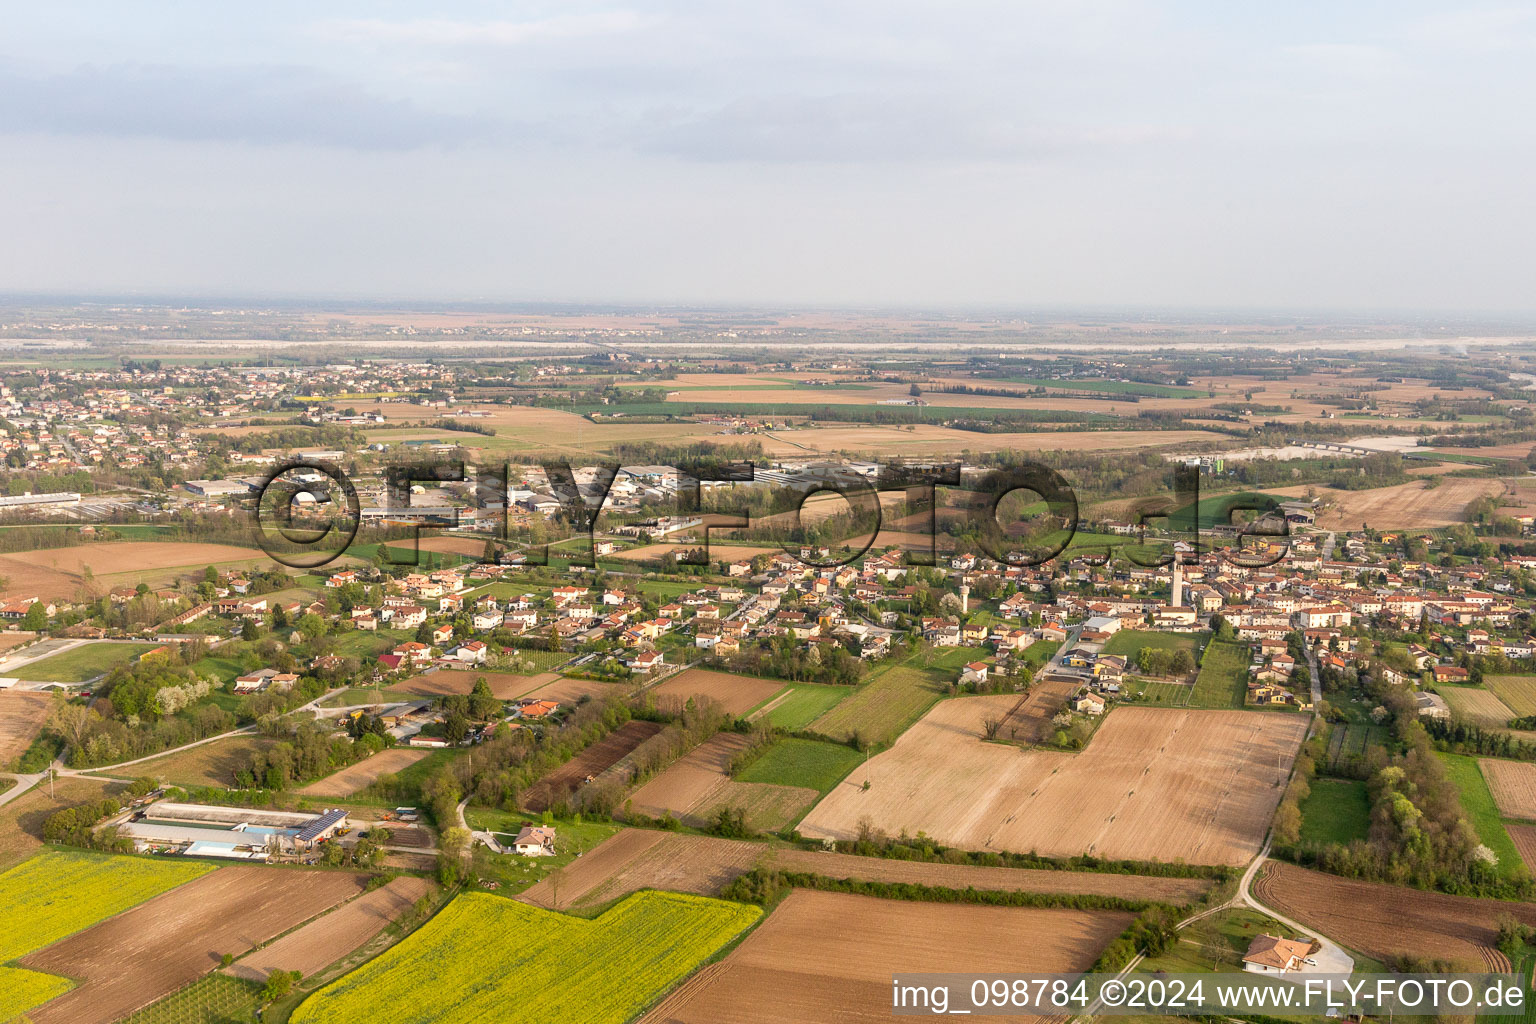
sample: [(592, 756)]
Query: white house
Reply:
[(535, 841)]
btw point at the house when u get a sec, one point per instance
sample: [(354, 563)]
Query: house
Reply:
[(535, 841), (646, 661), (442, 634), (1089, 704), (426, 741), (975, 672), (1450, 674), (471, 652), (1270, 954), (1432, 705)]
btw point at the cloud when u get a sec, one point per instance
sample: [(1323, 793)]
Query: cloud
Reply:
[(448, 32), (267, 104)]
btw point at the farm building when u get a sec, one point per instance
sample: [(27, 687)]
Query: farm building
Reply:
[(238, 833)]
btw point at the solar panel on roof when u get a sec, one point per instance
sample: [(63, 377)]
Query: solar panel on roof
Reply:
[(309, 832)]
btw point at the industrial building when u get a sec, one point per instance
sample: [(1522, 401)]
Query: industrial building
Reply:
[(236, 833)]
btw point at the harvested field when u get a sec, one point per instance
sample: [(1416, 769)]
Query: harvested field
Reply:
[(57, 573), (636, 859), (1403, 506), (355, 778), (735, 694), (1481, 707), (1150, 785), (1030, 719), (1524, 838), (14, 638), (1381, 920), (1513, 785), (404, 835), (448, 544), (933, 439), (571, 690), (699, 783), (21, 820), (211, 764), (1519, 692), (829, 956), (593, 761), (505, 685), (332, 936), (22, 714), (717, 552), (150, 951)]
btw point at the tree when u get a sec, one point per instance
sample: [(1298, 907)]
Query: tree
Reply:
[(455, 727), (279, 984), (36, 619), (249, 631), (483, 704), (71, 720), (311, 626)]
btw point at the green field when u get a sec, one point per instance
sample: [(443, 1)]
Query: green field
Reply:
[(1128, 641), (82, 663), (56, 894), (806, 703), (813, 764), (1336, 811), (885, 706), (486, 958), (1111, 387), (1519, 692), (1223, 678), (215, 999), (1482, 812)]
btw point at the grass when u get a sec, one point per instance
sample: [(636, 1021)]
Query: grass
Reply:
[(486, 958), (1112, 387), (215, 999), (885, 706), (1223, 678), (1519, 692), (212, 764), (572, 839), (1482, 812), (813, 764), (1216, 943), (1127, 642), (82, 663), (1336, 811), (1158, 691), (806, 703)]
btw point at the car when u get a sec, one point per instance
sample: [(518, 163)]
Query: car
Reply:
[(1309, 961)]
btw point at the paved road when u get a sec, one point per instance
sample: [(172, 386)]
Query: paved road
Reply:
[(23, 783)]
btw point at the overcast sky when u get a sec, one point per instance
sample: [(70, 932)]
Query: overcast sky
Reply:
[(1297, 155)]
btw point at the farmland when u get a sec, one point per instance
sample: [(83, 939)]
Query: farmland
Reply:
[(505, 685), (1402, 506), (1336, 811), (137, 957), (736, 694), (804, 704), (1478, 706), (477, 954), (58, 573), (1223, 678), (1519, 692), (208, 764), (830, 956), (21, 820), (1127, 642), (594, 760), (1481, 810), (1382, 920), (331, 936), (84, 662), (215, 999), (355, 778), (1513, 785), (21, 990), (22, 714), (809, 764), (882, 708), (699, 783), (1151, 785)]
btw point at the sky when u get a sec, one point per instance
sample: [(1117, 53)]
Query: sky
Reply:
[(1307, 155)]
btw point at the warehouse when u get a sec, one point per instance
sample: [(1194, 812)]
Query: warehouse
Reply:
[(235, 832)]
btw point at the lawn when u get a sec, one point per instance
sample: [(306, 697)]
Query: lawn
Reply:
[(572, 840), (1336, 811), (1215, 943), (1223, 678), (1128, 641), (486, 958), (806, 703), (215, 999), (883, 707), (813, 764), (82, 663), (1482, 812), (1040, 652), (1158, 691)]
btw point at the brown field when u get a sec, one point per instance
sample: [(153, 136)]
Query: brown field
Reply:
[(13, 638), (1477, 705), (355, 778), (56, 572), (505, 685), (699, 783), (636, 859), (211, 764), (449, 544), (718, 552), (1513, 785), (594, 760), (137, 957), (1152, 784), (1519, 692), (332, 936), (932, 439), (735, 694), (21, 820), (830, 956), (1403, 506), (1524, 837), (1381, 920), (566, 690), (22, 713), (1030, 719)]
